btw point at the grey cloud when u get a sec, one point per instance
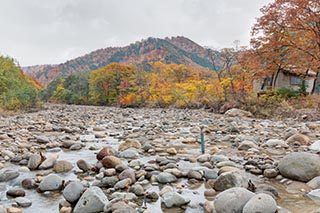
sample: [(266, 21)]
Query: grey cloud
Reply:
[(52, 31)]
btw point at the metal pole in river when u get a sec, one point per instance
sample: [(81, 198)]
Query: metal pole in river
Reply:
[(202, 140)]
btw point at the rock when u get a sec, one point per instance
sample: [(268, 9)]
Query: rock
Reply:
[(237, 113), (174, 171), (105, 151), (129, 154), (166, 189), (123, 196), (7, 153), (203, 158), (129, 143), (62, 166), (260, 203), (208, 207), (225, 169), (29, 183), (265, 188), (92, 200), (110, 172), (6, 175), (110, 161), (137, 189), (72, 191), (171, 199), (2, 208), (34, 161), (76, 146), (109, 181), (65, 209), (270, 173), (232, 200), (231, 179), (16, 193), (314, 183), (51, 182), (165, 177), (300, 166), (123, 184), (49, 162), (314, 195), (119, 207), (298, 138), (14, 210), (315, 146), (128, 173), (275, 143), (42, 139), (83, 165), (189, 140), (210, 193), (245, 145), (23, 202), (210, 174), (194, 175), (172, 151)]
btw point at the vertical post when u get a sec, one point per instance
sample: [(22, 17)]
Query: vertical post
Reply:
[(202, 140)]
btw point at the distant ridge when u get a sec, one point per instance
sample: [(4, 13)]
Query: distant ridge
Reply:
[(179, 50)]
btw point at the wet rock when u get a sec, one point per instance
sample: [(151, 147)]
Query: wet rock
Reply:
[(171, 199), (83, 165), (105, 151), (92, 200), (298, 139), (165, 177), (110, 161), (62, 166), (129, 143), (237, 113), (231, 179), (232, 200), (123, 184), (16, 193), (34, 161), (129, 154), (51, 182), (49, 162), (6, 175), (128, 173), (29, 183), (300, 166), (72, 191), (23, 202), (260, 203)]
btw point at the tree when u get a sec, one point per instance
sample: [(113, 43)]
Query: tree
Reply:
[(287, 36)]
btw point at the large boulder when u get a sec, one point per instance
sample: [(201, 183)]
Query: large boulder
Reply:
[(231, 179), (232, 200), (92, 200), (301, 166), (260, 203)]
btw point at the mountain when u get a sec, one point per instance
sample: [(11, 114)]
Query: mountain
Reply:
[(179, 50)]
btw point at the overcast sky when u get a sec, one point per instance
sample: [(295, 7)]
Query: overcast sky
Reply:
[(53, 31)]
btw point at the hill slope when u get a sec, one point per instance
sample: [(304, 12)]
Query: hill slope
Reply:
[(179, 50)]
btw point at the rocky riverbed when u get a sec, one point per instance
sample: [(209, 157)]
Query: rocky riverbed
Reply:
[(104, 159)]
